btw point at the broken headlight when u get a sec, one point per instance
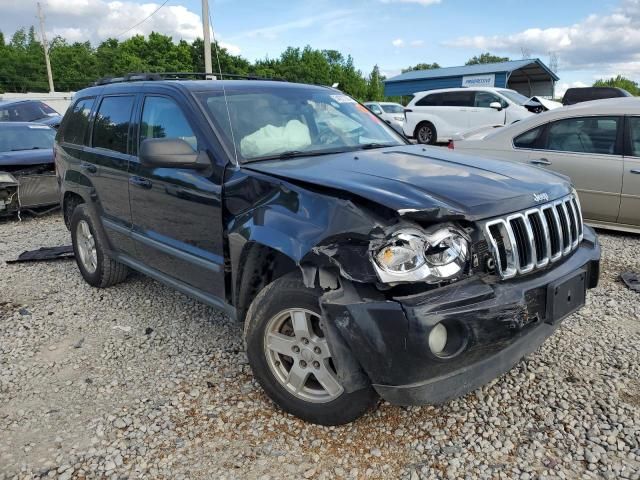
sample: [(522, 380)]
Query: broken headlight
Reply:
[(412, 255)]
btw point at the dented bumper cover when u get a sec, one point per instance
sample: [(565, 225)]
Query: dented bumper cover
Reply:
[(498, 321)]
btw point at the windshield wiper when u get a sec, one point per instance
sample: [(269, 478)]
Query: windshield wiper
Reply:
[(293, 154), (369, 146), (23, 149)]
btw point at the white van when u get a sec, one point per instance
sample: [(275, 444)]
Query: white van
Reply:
[(436, 115)]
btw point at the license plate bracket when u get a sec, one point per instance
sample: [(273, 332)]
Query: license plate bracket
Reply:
[(566, 295)]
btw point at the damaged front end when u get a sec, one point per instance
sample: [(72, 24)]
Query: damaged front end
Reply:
[(413, 302), (427, 342), (27, 188)]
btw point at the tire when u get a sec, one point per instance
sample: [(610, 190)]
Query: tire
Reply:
[(426, 133), (272, 311), (95, 266)]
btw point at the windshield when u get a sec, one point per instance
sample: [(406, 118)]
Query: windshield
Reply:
[(278, 122), (392, 108), (515, 97), (29, 137)]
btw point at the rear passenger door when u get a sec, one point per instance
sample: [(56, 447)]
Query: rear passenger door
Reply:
[(589, 151), (456, 113), (630, 198), (177, 220), (106, 163)]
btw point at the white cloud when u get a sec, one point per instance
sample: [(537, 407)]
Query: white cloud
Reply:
[(419, 2), (96, 20), (601, 42), (400, 43), (274, 31), (562, 87)]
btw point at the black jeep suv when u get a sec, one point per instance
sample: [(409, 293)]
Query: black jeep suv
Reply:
[(361, 265)]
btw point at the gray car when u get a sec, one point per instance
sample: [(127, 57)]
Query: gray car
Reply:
[(596, 144)]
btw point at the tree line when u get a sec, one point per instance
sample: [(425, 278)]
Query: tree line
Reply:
[(77, 65)]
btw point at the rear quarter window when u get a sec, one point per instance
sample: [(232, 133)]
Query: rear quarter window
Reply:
[(74, 128)]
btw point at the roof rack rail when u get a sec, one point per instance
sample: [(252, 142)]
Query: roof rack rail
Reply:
[(154, 76)]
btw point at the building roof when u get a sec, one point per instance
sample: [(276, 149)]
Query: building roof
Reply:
[(534, 65)]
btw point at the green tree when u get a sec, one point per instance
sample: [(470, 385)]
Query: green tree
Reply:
[(486, 58), (375, 87), (422, 66), (619, 82)]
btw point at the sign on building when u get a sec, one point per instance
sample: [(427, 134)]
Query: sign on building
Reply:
[(479, 80)]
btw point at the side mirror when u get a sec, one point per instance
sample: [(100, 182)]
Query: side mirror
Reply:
[(171, 153), (496, 105)]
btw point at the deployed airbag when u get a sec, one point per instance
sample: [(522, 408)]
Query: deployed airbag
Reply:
[(271, 139)]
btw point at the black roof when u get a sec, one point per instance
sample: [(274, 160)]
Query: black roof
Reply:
[(187, 81)]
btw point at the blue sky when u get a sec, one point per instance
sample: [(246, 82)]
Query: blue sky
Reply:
[(591, 38)]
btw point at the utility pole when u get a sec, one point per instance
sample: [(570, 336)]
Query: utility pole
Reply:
[(207, 37), (46, 48)]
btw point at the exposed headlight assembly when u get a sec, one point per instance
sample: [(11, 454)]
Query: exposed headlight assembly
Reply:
[(411, 255)]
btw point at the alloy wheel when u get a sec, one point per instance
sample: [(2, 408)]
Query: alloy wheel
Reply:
[(86, 244), (298, 355)]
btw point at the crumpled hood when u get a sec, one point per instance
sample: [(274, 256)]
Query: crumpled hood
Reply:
[(426, 182)]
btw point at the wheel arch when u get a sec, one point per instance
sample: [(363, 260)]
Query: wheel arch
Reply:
[(70, 200), (258, 266)]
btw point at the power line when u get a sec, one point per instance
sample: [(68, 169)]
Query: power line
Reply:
[(143, 20)]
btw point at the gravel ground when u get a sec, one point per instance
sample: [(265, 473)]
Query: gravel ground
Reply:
[(140, 381)]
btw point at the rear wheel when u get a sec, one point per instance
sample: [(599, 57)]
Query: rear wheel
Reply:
[(89, 248), (426, 133), (291, 358)]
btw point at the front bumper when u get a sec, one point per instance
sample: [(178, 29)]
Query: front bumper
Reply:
[(499, 322)]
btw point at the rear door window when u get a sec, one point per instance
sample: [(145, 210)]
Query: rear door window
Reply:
[(76, 122), (634, 136), (111, 126)]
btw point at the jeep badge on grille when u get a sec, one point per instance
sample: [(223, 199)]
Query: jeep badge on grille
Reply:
[(540, 197)]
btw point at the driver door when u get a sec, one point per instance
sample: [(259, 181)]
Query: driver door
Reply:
[(176, 212)]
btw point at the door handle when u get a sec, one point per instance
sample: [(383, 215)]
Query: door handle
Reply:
[(140, 182), (540, 161), (636, 170), (89, 167)]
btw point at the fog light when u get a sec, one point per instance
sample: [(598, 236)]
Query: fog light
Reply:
[(438, 339)]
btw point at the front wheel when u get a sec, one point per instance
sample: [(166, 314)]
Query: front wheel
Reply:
[(291, 358)]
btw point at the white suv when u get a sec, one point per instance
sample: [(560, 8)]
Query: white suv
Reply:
[(436, 115)]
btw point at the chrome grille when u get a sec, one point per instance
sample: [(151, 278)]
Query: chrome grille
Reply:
[(532, 239)]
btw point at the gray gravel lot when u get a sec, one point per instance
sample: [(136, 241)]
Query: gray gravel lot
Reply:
[(140, 381)]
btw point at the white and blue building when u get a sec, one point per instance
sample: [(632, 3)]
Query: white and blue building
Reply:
[(530, 77)]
